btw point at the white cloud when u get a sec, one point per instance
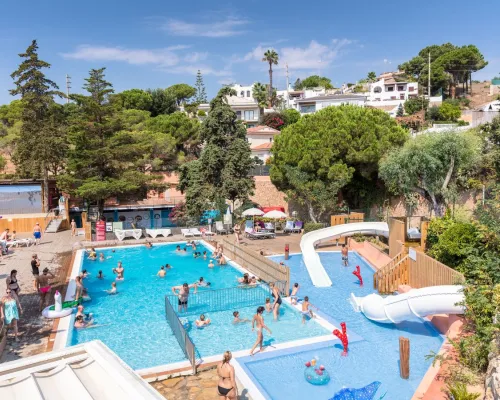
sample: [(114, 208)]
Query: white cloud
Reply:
[(229, 27), (192, 69), (195, 57), (165, 57)]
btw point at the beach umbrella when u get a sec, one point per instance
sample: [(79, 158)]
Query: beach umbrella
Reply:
[(275, 214), (252, 212)]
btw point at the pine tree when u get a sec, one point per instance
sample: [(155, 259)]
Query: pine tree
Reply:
[(400, 111), (226, 159), (41, 141), (201, 95)]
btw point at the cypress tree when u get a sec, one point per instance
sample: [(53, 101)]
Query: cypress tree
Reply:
[(41, 141), (201, 95)]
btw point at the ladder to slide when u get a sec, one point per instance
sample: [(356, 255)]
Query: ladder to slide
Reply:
[(53, 226)]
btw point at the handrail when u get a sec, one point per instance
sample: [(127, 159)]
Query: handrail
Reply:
[(395, 273)]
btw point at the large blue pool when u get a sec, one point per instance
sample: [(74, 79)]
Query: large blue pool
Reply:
[(133, 324), (374, 348)]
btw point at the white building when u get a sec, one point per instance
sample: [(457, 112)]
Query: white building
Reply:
[(246, 109), (243, 91), (389, 89), (309, 105), (261, 139)]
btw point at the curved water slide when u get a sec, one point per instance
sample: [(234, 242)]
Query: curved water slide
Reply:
[(412, 305), (309, 240)]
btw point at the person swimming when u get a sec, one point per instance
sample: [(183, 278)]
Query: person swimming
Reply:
[(100, 275), (80, 323), (306, 312), (101, 257), (87, 317), (161, 273), (113, 289), (237, 319), (244, 280), (204, 255), (119, 271), (185, 250), (268, 305), (168, 266), (211, 264), (202, 282), (148, 245), (178, 248), (202, 322), (92, 254)]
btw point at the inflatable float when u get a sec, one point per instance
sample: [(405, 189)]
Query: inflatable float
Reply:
[(316, 375), (59, 309), (365, 393)]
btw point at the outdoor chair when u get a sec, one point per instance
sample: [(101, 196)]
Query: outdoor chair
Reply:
[(269, 226), (289, 227), (187, 233), (219, 227), (196, 232), (298, 227), (414, 234)]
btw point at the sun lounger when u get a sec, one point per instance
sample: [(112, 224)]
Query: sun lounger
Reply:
[(414, 234), (289, 227), (123, 233), (251, 234), (157, 232), (219, 227), (206, 232), (297, 227), (187, 233), (196, 232), (269, 226), (20, 242)]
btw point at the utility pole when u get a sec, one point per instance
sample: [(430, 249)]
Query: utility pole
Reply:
[(429, 80), (287, 86), (68, 86)]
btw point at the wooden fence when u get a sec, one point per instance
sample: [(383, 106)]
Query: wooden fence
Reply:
[(397, 236), (260, 266), (22, 224), (417, 270)]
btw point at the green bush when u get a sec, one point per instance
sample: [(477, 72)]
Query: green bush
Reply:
[(449, 112), (312, 226), (415, 105), (432, 114), (458, 391), (202, 113)]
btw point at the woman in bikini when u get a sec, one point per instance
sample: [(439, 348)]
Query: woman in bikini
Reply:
[(277, 300), (226, 388), (258, 320), (12, 283)]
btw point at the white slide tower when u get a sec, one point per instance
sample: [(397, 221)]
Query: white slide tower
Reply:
[(316, 270)]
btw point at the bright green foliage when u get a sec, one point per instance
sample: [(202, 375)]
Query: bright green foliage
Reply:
[(311, 226), (271, 57), (432, 165), (134, 120), (3, 163), (104, 161), (222, 169), (11, 113), (259, 93), (291, 116), (432, 114), (318, 155), (41, 141), (163, 102), (201, 94), (449, 112), (314, 81), (202, 113), (135, 99), (182, 92), (184, 130), (371, 77), (400, 111), (458, 391), (490, 134), (415, 105)]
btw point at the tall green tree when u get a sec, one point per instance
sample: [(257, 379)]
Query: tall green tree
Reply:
[(315, 158), (222, 169), (272, 58), (40, 140), (298, 84), (400, 111), (314, 81), (162, 102), (201, 95), (372, 76), (135, 99), (182, 92), (434, 166), (259, 93), (103, 160)]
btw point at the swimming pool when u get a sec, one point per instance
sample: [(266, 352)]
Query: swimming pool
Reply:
[(374, 349), (133, 324)]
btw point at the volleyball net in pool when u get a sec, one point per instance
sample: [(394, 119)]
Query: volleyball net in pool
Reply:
[(223, 299)]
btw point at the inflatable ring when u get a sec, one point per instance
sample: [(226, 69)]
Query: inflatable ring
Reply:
[(146, 217), (48, 313), (138, 218)]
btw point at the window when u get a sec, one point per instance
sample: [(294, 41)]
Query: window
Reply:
[(411, 89), (248, 93), (390, 88), (377, 89), (270, 140), (401, 96), (238, 114), (249, 115), (401, 88), (308, 108), (242, 93)]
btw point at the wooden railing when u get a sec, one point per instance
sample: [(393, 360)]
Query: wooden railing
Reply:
[(417, 271), (260, 266)]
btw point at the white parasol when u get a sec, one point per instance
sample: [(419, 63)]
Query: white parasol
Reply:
[(275, 214), (252, 212)]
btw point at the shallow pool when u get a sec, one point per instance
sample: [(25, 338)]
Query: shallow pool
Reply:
[(133, 324), (374, 348)]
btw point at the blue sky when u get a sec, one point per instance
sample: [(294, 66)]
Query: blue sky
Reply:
[(153, 43)]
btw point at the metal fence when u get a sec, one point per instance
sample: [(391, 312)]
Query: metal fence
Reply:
[(259, 170), (224, 299), (180, 333)]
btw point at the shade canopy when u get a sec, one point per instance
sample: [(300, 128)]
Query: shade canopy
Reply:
[(252, 212), (276, 214)]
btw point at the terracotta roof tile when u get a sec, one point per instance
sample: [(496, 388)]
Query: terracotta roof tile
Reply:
[(263, 146), (262, 129)]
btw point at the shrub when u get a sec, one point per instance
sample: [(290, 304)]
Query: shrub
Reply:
[(312, 226), (415, 105), (432, 114), (449, 112), (202, 113), (458, 391), (462, 123), (291, 116), (274, 120)]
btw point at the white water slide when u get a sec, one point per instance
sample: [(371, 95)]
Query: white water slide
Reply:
[(412, 305), (316, 270)]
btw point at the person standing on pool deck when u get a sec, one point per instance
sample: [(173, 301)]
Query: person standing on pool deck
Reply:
[(345, 255), (226, 387), (10, 308), (43, 286), (258, 320), (37, 233), (277, 300), (73, 227), (184, 294), (35, 268)]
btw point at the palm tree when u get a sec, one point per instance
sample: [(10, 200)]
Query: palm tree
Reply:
[(271, 57), (260, 95)]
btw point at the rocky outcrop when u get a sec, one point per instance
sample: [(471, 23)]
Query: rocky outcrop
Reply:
[(492, 383)]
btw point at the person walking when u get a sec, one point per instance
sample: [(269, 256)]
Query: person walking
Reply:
[(73, 227), (12, 283), (258, 320), (37, 233), (43, 286), (277, 300), (226, 387), (10, 309)]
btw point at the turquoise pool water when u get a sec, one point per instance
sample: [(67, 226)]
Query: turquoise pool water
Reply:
[(133, 324), (374, 352)]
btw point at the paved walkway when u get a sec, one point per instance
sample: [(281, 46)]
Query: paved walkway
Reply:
[(55, 254)]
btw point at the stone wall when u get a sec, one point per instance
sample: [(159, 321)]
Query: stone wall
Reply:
[(266, 194), (492, 382)]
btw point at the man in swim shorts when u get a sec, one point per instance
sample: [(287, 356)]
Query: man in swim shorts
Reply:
[(293, 295), (182, 293), (345, 255), (119, 270), (43, 286), (37, 233)]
